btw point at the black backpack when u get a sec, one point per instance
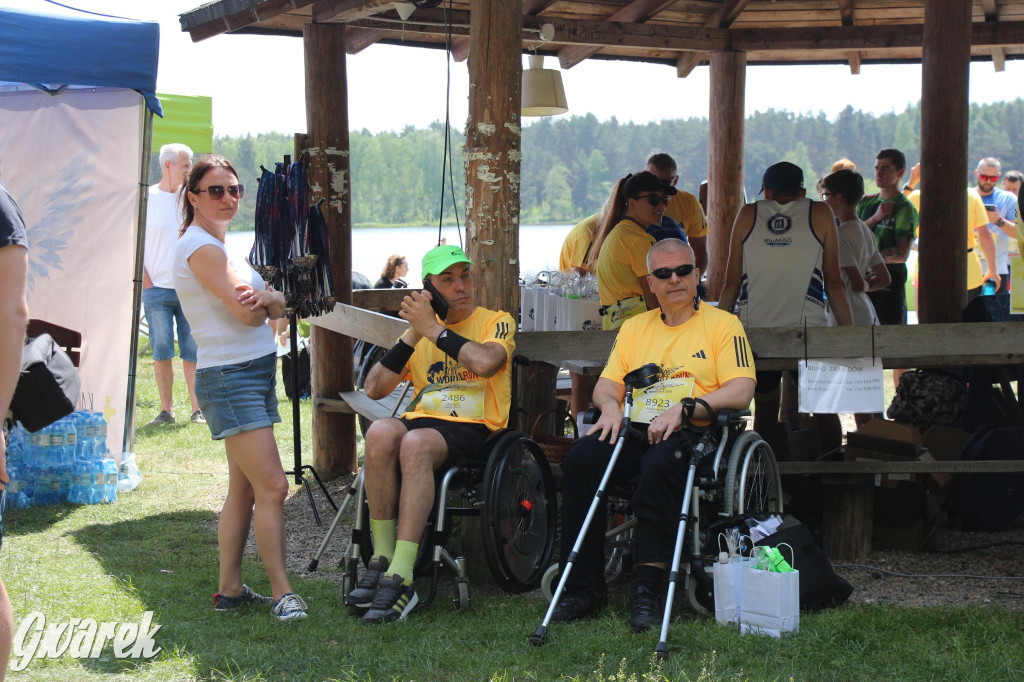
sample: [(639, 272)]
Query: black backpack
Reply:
[(989, 501)]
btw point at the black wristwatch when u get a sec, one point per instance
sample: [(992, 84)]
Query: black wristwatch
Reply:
[(689, 405), (908, 188)]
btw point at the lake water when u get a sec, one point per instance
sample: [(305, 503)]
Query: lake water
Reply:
[(539, 246)]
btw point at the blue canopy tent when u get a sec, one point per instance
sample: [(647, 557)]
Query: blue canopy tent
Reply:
[(80, 57)]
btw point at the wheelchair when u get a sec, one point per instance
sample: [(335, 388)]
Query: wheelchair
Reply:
[(512, 491), (737, 476)]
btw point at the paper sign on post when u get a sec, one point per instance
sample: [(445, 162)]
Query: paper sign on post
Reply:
[(1017, 285), (845, 385)]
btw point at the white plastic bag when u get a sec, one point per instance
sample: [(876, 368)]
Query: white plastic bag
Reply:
[(770, 602), (128, 475), (728, 579)]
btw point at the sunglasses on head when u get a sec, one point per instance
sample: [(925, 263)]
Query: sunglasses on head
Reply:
[(987, 178), (217, 191), (681, 271), (654, 199)]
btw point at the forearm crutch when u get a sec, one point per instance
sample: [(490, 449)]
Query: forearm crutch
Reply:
[(639, 378), (697, 453)]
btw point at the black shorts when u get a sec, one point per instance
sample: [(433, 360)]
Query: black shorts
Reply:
[(464, 441), (768, 381)]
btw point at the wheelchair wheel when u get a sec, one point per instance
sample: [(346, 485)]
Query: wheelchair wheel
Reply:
[(519, 513), (752, 481)]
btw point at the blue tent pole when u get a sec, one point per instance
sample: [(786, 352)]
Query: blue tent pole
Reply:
[(128, 443)]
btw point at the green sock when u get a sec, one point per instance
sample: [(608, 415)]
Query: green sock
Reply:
[(405, 558), (384, 533)]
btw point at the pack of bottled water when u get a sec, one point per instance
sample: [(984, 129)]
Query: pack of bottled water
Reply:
[(66, 461)]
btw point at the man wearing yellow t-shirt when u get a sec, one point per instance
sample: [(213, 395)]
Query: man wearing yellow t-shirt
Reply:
[(683, 208), (702, 352), (461, 371), (576, 247)]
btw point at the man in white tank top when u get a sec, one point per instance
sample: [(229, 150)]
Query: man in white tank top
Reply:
[(783, 271)]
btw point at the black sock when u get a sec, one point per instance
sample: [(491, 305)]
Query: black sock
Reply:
[(650, 577)]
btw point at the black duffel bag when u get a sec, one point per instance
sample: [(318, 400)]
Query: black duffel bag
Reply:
[(48, 386)]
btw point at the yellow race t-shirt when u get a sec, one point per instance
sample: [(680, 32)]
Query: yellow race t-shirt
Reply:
[(577, 243), (696, 357), (684, 208), (976, 217), (445, 389), (622, 262)]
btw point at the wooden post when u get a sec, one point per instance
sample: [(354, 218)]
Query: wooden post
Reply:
[(945, 61), (725, 159), (334, 434), (847, 522), (492, 152)]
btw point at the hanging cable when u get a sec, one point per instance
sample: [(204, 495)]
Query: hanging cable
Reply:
[(447, 158)]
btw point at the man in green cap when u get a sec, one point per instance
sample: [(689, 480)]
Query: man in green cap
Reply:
[(460, 368)]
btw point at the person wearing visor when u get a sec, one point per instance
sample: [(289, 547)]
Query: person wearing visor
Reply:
[(621, 244), (783, 271), (458, 356), (702, 353)]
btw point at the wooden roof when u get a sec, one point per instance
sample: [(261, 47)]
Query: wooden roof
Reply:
[(679, 32)]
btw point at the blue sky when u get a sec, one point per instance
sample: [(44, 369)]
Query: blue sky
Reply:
[(393, 87)]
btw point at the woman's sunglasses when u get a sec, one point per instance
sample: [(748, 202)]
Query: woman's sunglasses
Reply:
[(681, 271), (217, 191), (655, 199)]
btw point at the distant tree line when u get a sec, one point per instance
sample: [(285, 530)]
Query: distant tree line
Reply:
[(570, 164)]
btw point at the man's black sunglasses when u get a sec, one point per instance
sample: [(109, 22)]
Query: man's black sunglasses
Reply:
[(681, 271)]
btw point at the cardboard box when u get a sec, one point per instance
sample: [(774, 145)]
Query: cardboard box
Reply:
[(945, 443), (885, 441)]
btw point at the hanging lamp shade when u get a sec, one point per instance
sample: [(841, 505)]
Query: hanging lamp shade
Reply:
[(542, 91)]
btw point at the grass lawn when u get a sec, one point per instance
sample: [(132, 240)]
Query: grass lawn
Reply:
[(155, 550)]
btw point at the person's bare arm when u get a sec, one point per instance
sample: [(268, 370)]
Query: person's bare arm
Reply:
[(147, 283), (897, 253), (608, 397), (857, 282), (823, 222), (210, 266), (13, 321), (700, 252), (988, 250), (741, 227), (878, 277)]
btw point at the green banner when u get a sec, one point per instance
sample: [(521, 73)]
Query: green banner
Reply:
[(187, 120)]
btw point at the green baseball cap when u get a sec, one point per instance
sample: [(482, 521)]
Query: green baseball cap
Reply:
[(440, 258)]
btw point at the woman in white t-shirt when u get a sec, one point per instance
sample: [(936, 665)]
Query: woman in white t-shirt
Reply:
[(228, 305), (862, 266)]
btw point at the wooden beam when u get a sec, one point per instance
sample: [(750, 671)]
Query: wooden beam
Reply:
[(637, 11), (688, 61), (999, 58), (212, 20), (726, 13), (493, 150), (864, 38), (460, 44), (334, 435), (846, 12), (945, 64), (725, 159), (358, 39), (990, 9), (922, 345), (344, 11), (854, 60)]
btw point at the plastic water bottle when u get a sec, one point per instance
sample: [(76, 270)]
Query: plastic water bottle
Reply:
[(97, 482), (47, 486), (109, 481), (70, 442), (16, 494), (100, 422), (81, 483), (989, 288), (128, 474)]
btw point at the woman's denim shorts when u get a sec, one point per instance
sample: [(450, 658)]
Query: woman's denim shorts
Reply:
[(240, 397)]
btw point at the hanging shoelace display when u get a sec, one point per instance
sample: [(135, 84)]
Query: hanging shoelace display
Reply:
[(291, 250)]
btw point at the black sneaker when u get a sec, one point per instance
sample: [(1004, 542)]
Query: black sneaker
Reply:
[(248, 597), (644, 605), (573, 606), (365, 590), (394, 600)]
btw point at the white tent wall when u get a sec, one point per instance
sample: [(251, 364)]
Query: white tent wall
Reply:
[(74, 162)]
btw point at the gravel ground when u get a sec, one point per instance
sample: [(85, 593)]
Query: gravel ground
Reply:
[(947, 552)]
